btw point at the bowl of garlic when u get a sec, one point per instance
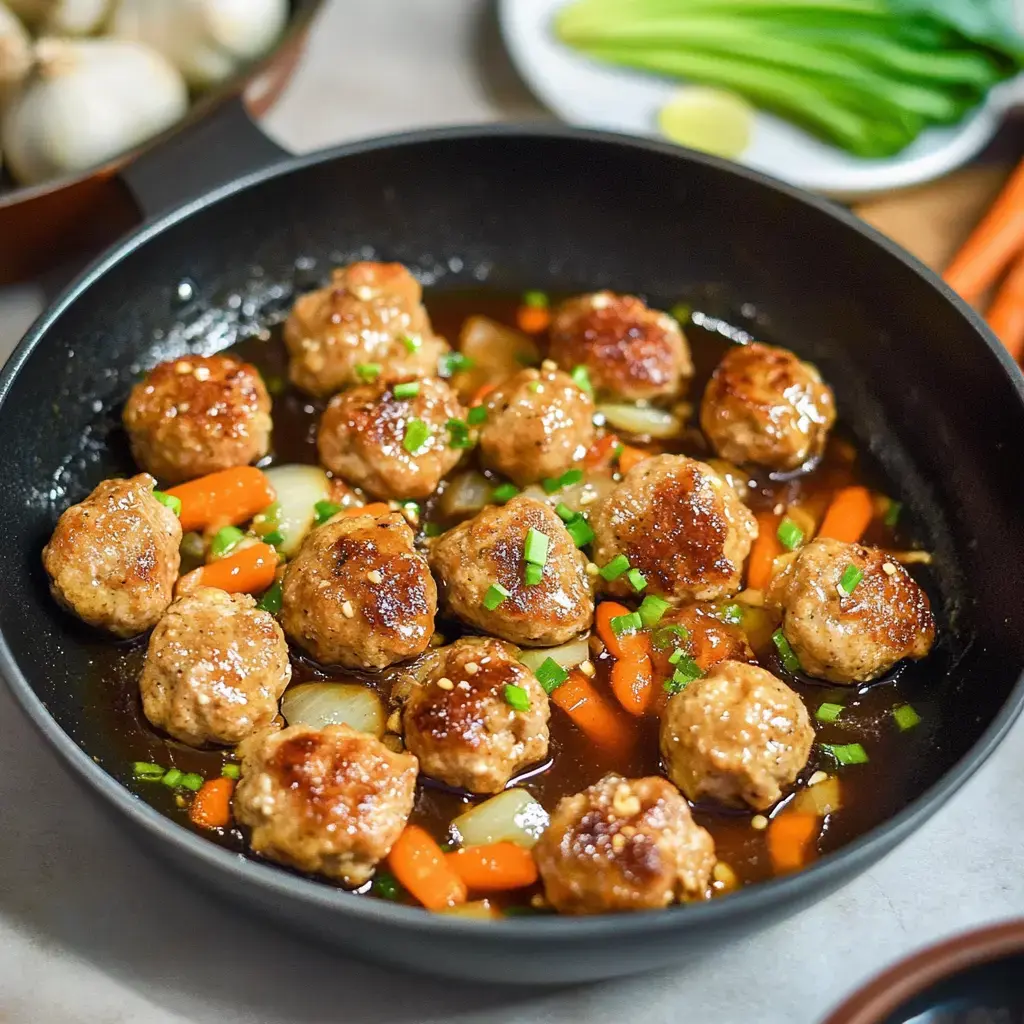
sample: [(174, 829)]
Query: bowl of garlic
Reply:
[(87, 86)]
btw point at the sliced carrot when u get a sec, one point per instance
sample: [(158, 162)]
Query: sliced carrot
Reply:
[(494, 867), (250, 571), (1006, 314), (227, 498), (630, 457), (593, 714), (790, 836), (849, 515), (533, 319), (601, 452), (993, 243), (764, 552), (211, 806), (603, 615), (633, 683), (419, 864), (481, 394), (375, 509)]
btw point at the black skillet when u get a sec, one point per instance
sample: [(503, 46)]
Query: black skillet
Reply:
[(924, 386)]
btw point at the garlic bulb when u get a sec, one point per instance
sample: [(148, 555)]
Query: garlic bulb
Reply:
[(15, 53), (62, 17), (208, 40), (86, 101)]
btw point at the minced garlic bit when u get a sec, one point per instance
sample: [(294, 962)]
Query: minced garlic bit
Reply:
[(395, 721), (201, 373), (472, 668), (618, 842), (724, 875), (624, 801), (549, 365), (445, 683), (537, 901), (592, 569), (587, 668), (889, 569), (183, 367), (348, 611), (374, 576), (816, 778), (759, 821)]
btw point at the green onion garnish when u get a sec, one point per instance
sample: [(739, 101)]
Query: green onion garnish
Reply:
[(665, 637), (550, 484), (892, 513), (532, 574), (147, 770), (432, 530), (225, 539), (651, 610), (231, 771), (846, 753), (581, 378), (192, 781), (411, 342), (681, 312), (686, 671), (173, 503), (407, 389), (566, 514), (534, 387), (452, 363), (368, 371), (504, 492), (551, 675), (386, 886), (790, 535), (676, 655), (732, 614), (906, 717), (615, 568), (477, 415), (416, 435), (411, 510), (274, 538), (496, 593), (324, 510), (629, 623), (535, 550), (458, 434), (829, 712), (849, 580), (536, 300), (271, 599), (172, 777), (570, 477), (637, 579), (580, 531), (516, 697), (789, 660)]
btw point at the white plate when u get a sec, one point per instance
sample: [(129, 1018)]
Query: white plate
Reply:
[(595, 95)]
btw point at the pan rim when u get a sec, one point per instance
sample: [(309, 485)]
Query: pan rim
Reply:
[(825, 874)]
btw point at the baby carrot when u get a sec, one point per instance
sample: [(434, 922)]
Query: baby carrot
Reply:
[(633, 682), (789, 840), (592, 713), (250, 571), (227, 498), (420, 865), (533, 319), (375, 509), (630, 457), (603, 615), (600, 453), (764, 552), (211, 806), (848, 516), (494, 867)]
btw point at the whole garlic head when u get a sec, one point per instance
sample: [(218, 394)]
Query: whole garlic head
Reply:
[(63, 17)]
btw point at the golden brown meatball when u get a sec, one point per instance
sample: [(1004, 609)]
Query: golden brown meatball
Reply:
[(215, 669), (489, 550), (197, 415), (630, 352), (358, 594), (368, 320), (329, 801), (366, 435), (539, 424), (623, 844), (855, 637), (113, 558), (764, 405), (680, 524), (461, 725), (737, 736)]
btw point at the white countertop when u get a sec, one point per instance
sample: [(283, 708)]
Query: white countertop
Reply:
[(93, 932)]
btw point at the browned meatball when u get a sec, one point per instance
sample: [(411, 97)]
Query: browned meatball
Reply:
[(737, 736), (329, 801), (623, 844), (539, 424), (680, 524), (358, 594), (367, 432), (113, 558), (197, 415), (764, 405), (368, 320), (855, 637), (215, 669), (488, 550), (459, 721), (630, 352)]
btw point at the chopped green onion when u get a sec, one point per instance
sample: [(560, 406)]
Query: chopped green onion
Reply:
[(231, 771), (496, 593), (192, 781), (551, 675), (681, 312), (629, 623), (533, 574), (566, 514), (906, 717), (636, 579), (651, 610), (172, 777), (386, 886), (172, 502), (581, 378), (829, 712), (550, 485), (477, 415), (225, 539), (846, 753), (536, 300), (732, 614), (892, 513), (535, 550), (416, 435), (411, 510), (789, 659), (271, 599), (324, 510), (368, 371), (458, 434), (615, 568), (516, 697), (504, 492), (675, 656), (452, 363), (274, 538), (665, 637), (790, 535), (534, 387), (686, 671), (432, 530), (570, 477), (147, 770), (849, 580), (407, 389), (580, 531), (412, 342)]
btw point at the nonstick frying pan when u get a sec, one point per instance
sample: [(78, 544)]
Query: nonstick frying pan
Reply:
[(925, 387)]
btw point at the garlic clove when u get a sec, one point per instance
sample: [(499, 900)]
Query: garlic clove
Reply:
[(63, 17)]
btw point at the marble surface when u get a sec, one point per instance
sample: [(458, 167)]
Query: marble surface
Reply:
[(92, 931)]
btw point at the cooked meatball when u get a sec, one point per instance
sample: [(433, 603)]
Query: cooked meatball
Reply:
[(738, 736), (369, 319), (459, 723), (197, 415), (764, 405), (707, 638), (623, 844), (489, 550), (630, 352), (358, 594), (680, 524), (363, 438), (113, 558), (329, 801), (215, 669), (539, 424), (856, 637)]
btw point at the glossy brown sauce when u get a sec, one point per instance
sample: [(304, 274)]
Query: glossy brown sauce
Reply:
[(872, 792)]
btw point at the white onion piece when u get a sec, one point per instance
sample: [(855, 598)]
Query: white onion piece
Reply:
[(510, 817), (497, 352), (642, 420), (581, 497), (320, 704), (567, 655), (298, 490), (825, 797), (465, 495)]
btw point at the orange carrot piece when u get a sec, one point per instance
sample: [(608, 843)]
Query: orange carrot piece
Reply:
[(419, 864), (227, 498), (592, 713), (600, 453), (764, 552), (633, 682), (481, 394), (1006, 314), (375, 509), (849, 515), (630, 457), (789, 840), (993, 243), (533, 319), (211, 806), (603, 615), (494, 867), (250, 571)]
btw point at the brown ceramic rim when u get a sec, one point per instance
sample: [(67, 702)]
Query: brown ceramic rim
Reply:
[(911, 977)]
